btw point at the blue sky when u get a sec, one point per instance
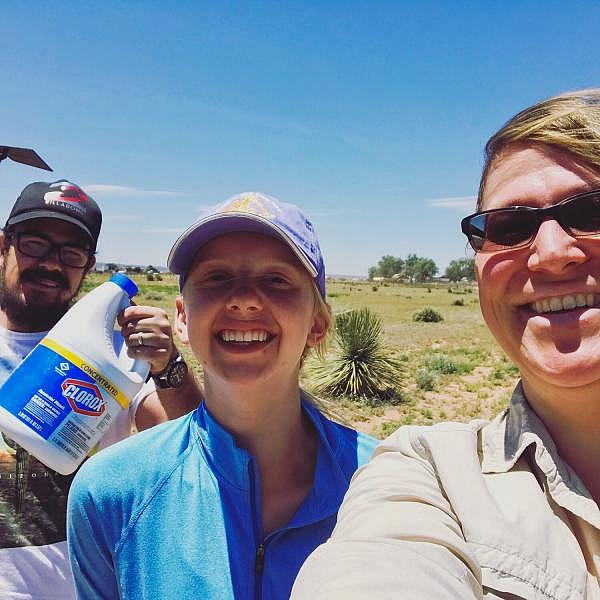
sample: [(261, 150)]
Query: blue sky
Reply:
[(371, 116)]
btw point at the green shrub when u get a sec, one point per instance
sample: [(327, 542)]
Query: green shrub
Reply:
[(446, 365), (388, 428), (501, 371), (442, 363), (409, 419), (363, 368), (154, 296), (428, 315), (458, 302), (425, 380), (374, 288), (86, 286)]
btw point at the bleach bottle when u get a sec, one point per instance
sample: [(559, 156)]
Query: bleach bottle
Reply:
[(63, 397)]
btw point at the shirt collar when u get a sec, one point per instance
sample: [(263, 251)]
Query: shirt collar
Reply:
[(517, 428), (226, 459), (232, 463), (332, 474)]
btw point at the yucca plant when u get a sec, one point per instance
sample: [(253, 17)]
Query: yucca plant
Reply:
[(362, 367)]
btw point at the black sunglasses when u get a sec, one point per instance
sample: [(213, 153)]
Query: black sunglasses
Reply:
[(37, 246), (517, 226)]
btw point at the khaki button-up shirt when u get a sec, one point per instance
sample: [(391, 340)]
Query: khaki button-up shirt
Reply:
[(477, 510)]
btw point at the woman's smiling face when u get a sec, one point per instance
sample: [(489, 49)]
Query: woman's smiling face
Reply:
[(542, 301), (248, 309)]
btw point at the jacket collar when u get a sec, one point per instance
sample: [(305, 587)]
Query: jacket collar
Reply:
[(233, 464), (511, 433)]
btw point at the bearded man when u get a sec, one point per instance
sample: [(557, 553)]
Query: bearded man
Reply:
[(46, 248)]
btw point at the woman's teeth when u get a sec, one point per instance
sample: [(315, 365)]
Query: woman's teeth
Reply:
[(230, 335), (568, 302)]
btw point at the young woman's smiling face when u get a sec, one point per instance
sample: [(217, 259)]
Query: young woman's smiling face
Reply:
[(248, 309), (542, 301)]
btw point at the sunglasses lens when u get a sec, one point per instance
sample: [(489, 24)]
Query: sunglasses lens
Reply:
[(582, 215), (474, 228), (489, 232), (510, 228)]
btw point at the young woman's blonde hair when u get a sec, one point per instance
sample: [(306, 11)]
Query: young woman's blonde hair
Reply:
[(324, 310), (570, 121)]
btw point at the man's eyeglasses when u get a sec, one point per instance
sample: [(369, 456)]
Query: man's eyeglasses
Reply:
[(516, 226), (36, 246)]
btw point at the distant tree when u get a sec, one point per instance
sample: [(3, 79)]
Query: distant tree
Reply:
[(425, 269), (419, 268), (459, 268), (389, 265), (410, 266), (415, 268), (151, 269), (112, 267)]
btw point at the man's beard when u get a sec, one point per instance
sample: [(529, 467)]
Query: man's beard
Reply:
[(35, 313)]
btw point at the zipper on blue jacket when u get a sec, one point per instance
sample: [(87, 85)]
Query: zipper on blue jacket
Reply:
[(259, 562), (259, 557)]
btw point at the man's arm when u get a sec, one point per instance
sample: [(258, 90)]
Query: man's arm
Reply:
[(148, 335)]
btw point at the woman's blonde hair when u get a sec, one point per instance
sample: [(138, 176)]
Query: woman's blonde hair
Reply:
[(570, 122), (323, 309)]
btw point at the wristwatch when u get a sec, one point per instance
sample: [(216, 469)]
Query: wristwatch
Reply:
[(173, 375)]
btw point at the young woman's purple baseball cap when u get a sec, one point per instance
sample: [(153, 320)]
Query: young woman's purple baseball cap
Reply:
[(255, 212)]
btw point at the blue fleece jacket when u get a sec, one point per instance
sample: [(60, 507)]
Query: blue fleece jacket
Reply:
[(174, 512)]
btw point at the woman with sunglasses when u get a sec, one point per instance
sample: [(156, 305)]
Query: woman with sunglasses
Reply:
[(508, 508)]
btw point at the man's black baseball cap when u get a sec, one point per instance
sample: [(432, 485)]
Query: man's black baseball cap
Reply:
[(58, 200)]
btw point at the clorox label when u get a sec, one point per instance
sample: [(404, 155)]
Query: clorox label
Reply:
[(58, 398), (84, 398)]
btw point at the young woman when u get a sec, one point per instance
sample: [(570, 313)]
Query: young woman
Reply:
[(228, 501), (507, 509)]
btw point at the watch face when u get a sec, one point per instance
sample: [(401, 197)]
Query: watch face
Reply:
[(176, 374)]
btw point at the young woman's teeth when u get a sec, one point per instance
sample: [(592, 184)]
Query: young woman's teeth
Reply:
[(568, 302), (230, 335)]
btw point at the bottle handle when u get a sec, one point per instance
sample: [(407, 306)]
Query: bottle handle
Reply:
[(137, 366), (141, 367)]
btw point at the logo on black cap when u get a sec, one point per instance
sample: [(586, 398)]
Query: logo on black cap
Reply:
[(67, 196)]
